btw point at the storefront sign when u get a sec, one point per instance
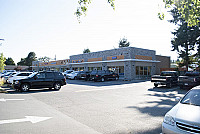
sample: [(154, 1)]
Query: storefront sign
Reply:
[(114, 57)]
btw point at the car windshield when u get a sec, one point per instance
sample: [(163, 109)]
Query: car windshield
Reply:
[(7, 74), (192, 98), (167, 74), (32, 75)]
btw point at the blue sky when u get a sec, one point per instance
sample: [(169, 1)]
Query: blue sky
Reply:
[(49, 27)]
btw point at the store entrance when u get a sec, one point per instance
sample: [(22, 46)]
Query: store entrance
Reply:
[(117, 69), (143, 72)]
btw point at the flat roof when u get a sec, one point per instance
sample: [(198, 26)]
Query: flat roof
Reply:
[(112, 50)]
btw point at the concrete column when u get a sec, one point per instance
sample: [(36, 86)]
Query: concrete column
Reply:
[(128, 70), (153, 69), (70, 67), (85, 67), (104, 66), (133, 70)]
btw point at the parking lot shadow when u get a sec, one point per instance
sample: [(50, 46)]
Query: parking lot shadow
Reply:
[(162, 100), (105, 83), (31, 91)]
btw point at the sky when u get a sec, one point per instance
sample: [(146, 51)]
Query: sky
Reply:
[(50, 28)]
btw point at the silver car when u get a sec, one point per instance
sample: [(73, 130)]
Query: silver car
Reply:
[(184, 117)]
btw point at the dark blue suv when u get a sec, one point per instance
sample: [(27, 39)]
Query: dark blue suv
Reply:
[(44, 79)]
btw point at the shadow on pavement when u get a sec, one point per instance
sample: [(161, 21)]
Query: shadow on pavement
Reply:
[(44, 90), (152, 131), (105, 83), (158, 107)]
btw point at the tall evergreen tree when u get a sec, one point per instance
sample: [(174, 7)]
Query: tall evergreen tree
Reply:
[(9, 61), (124, 43), (86, 50), (44, 59), (186, 38), (28, 60)]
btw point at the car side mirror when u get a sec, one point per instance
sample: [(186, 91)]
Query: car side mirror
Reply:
[(177, 99)]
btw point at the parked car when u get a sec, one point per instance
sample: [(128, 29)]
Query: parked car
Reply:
[(103, 75), (7, 75), (67, 72), (45, 79), (19, 75), (84, 75), (184, 117), (189, 80), (73, 75), (167, 78)]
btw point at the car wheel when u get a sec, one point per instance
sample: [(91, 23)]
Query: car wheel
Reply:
[(57, 86), (181, 87), (169, 85), (25, 87), (155, 85), (102, 79)]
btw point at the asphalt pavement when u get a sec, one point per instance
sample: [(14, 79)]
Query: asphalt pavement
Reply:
[(86, 107)]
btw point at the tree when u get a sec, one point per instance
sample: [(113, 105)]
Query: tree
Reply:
[(186, 38), (2, 62), (83, 7), (44, 59), (22, 62), (86, 50), (189, 10), (9, 61), (123, 42), (28, 60)]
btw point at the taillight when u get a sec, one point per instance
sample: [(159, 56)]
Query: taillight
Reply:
[(97, 75)]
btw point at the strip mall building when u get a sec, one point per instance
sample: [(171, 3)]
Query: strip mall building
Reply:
[(129, 62)]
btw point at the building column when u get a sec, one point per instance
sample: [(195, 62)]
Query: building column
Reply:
[(133, 70), (85, 67), (104, 66), (70, 67), (128, 70), (153, 69)]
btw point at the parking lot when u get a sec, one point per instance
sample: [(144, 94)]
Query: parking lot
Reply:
[(111, 107)]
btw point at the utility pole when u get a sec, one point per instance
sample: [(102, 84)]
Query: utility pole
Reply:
[(2, 40)]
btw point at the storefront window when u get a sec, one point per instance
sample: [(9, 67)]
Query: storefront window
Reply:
[(149, 71), (137, 70), (94, 68), (143, 72), (117, 69)]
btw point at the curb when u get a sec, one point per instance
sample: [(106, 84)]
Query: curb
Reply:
[(3, 91)]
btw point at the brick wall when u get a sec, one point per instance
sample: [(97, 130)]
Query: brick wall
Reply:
[(164, 63)]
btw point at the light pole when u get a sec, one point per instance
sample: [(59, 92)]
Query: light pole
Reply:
[(2, 40)]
